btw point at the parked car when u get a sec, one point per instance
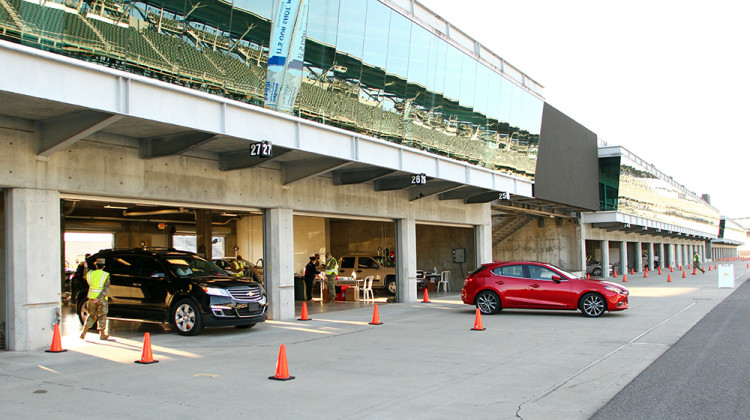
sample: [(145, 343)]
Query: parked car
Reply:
[(535, 285), (384, 277), (595, 268), (177, 287)]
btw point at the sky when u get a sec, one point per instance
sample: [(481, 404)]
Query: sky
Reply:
[(668, 80)]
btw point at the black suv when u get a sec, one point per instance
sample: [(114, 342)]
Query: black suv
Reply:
[(175, 286)]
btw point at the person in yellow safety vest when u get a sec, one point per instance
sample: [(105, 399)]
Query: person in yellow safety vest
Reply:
[(697, 262), (332, 270), (97, 305)]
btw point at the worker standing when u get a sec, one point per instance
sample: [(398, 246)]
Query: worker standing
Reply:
[(96, 304), (332, 270)]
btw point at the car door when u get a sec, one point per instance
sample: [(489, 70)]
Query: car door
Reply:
[(122, 271), (544, 292), (367, 266), (150, 289), (511, 284)]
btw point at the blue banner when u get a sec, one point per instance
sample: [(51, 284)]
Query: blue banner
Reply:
[(286, 55)]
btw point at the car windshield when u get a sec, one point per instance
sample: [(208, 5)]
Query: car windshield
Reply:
[(194, 266), (564, 273)]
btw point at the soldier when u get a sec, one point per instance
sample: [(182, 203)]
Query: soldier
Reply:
[(332, 270), (96, 304)]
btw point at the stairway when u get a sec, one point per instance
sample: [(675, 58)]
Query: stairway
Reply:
[(503, 227)]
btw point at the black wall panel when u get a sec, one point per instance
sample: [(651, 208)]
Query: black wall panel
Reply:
[(567, 168)]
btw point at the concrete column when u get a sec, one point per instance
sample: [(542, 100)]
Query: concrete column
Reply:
[(638, 257), (650, 252), (482, 244), (34, 272), (278, 262), (670, 255), (678, 254), (204, 233), (623, 257), (406, 260), (662, 264), (605, 258)]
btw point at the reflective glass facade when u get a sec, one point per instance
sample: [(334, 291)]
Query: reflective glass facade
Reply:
[(368, 68), (631, 186)]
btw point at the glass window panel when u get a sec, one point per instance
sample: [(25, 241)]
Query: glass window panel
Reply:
[(468, 80), (453, 73), (398, 46), (419, 55), (322, 21), (351, 27), (376, 34), (437, 66)]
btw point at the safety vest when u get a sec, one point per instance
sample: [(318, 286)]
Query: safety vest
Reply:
[(96, 280), (696, 258), (332, 269)]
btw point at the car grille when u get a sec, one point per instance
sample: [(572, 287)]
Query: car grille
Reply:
[(250, 309), (246, 293)]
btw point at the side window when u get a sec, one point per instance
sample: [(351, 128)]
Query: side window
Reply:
[(150, 267), (125, 265), (541, 273), (509, 271), (366, 262), (347, 262)]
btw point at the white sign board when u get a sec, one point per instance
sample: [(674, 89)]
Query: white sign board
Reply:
[(726, 276)]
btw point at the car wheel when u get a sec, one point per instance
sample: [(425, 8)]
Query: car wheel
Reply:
[(244, 327), (597, 271), (488, 302), (186, 317), (390, 285), (82, 310), (593, 305)]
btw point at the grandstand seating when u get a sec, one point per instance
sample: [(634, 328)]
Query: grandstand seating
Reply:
[(193, 56)]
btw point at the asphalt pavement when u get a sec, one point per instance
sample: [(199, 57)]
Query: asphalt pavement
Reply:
[(704, 375), (423, 362)]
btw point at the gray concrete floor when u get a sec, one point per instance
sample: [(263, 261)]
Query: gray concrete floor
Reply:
[(423, 362)]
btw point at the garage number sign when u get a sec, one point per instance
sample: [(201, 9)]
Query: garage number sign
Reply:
[(419, 179), (503, 196), (262, 149)]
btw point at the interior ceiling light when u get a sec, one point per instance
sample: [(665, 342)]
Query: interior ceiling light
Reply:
[(115, 207), (230, 214)]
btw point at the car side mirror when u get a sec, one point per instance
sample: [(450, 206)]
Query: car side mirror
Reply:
[(556, 279)]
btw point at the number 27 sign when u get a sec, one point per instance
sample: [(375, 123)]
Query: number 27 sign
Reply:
[(262, 149)]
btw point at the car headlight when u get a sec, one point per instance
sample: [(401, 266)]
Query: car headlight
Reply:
[(216, 291), (614, 289), (263, 300)]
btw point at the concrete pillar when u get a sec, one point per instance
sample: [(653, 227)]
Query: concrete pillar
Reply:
[(482, 244), (678, 254), (204, 233), (623, 257), (605, 258), (662, 263), (650, 258), (278, 262), (670, 255), (638, 257), (406, 260), (34, 272)]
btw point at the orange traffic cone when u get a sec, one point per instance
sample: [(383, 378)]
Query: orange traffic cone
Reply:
[(375, 316), (669, 278), (56, 346), (478, 322), (282, 371), (426, 298), (645, 274), (709, 268), (680, 266), (660, 270), (615, 273), (683, 274), (624, 278), (671, 269), (693, 270), (304, 316), (146, 357), (588, 275)]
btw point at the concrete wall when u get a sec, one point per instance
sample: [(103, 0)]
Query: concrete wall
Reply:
[(435, 246), (361, 237), (309, 239), (3, 282), (558, 245)]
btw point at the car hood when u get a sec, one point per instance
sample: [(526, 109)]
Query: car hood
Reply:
[(219, 281), (602, 283)]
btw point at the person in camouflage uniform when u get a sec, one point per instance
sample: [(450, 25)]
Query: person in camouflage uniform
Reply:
[(96, 304)]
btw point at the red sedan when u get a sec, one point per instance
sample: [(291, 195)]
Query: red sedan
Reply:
[(535, 285)]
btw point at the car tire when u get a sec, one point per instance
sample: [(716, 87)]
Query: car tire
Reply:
[(592, 305), (597, 271), (186, 317), (488, 302), (81, 310), (390, 285), (244, 327)]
